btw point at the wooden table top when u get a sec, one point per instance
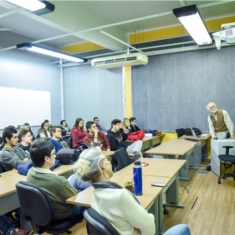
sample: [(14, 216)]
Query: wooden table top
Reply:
[(108, 154), (160, 167), (8, 183), (195, 138), (150, 193), (173, 147)]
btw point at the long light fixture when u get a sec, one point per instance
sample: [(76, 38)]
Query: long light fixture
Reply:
[(190, 17), (36, 6), (45, 51)]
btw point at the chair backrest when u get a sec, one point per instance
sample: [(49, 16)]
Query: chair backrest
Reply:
[(180, 132), (123, 158), (1, 168), (179, 229), (35, 204), (97, 224)]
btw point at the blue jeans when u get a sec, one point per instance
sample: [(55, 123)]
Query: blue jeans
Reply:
[(5, 225)]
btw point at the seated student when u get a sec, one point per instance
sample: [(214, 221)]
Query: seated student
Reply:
[(25, 138), (58, 188), (94, 137), (56, 140), (116, 140), (29, 128), (97, 122), (50, 126), (77, 133), (44, 130), (126, 127), (134, 128), (11, 155), (64, 128), (7, 228), (127, 216)]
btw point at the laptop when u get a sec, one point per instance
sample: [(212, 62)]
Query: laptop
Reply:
[(198, 136)]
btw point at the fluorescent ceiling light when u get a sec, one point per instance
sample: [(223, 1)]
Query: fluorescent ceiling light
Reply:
[(36, 6), (41, 50), (192, 21)]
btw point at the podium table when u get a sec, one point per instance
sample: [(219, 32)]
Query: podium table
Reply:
[(217, 149)]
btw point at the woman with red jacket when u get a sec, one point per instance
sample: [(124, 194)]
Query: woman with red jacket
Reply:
[(77, 133)]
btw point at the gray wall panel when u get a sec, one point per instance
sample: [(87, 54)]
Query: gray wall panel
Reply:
[(25, 70), (173, 90), (90, 92)]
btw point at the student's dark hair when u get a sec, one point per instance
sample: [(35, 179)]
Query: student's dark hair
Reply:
[(8, 132), (89, 124), (115, 122), (45, 122), (61, 122), (53, 129), (77, 122), (22, 133), (132, 119), (95, 118), (26, 124), (39, 150)]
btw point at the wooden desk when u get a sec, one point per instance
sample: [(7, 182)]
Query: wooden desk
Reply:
[(176, 147), (151, 199), (8, 196), (108, 154), (200, 150)]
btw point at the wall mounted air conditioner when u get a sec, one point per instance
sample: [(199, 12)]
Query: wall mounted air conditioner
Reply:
[(120, 61)]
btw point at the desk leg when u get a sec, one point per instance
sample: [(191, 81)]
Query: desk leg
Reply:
[(172, 193), (196, 159), (183, 174), (156, 210)]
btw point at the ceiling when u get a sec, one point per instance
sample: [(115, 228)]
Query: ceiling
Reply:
[(79, 26)]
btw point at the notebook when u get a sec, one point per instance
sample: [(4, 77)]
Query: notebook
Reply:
[(198, 136)]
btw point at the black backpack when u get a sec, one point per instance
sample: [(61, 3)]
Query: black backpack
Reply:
[(67, 156), (189, 132)]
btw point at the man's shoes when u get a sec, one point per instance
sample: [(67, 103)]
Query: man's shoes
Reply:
[(208, 168), (18, 231), (135, 155)]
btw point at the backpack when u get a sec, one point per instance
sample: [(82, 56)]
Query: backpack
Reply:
[(67, 156), (137, 135), (197, 131), (189, 132)]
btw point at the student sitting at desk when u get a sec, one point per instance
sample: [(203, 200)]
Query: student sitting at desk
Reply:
[(64, 128), (25, 138), (116, 204), (134, 128), (11, 155), (29, 128), (94, 137), (44, 132), (77, 133), (56, 140), (58, 188), (126, 127)]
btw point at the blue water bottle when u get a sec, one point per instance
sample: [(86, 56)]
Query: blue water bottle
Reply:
[(138, 185)]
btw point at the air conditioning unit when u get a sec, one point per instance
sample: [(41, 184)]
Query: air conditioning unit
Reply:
[(120, 61)]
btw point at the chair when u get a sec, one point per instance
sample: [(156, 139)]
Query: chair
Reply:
[(227, 158), (36, 207), (179, 229), (97, 224), (1, 168), (180, 132), (123, 158)]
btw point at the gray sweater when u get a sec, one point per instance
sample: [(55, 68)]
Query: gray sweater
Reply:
[(12, 158)]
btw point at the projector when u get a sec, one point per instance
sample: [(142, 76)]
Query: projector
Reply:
[(227, 35)]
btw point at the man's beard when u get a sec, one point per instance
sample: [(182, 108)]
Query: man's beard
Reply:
[(214, 111)]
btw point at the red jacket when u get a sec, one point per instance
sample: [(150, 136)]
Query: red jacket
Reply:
[(103, 141), (78, 136)]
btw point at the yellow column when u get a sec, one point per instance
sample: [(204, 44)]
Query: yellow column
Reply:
[(127, 90)]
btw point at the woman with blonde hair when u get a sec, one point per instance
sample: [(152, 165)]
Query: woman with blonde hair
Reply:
[(109, 199)]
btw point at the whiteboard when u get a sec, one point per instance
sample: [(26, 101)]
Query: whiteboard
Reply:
[(18, 106)]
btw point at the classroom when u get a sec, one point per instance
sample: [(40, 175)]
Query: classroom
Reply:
[(169, 92)]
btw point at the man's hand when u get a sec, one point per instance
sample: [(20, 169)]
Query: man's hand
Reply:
[(26, 160), (96, 132), (129, 150)]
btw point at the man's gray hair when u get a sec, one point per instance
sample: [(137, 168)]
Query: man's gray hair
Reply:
[(207, 107)]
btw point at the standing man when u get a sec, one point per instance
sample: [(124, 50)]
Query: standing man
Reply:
[(219, 122), (95, 138), (11, 155)]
